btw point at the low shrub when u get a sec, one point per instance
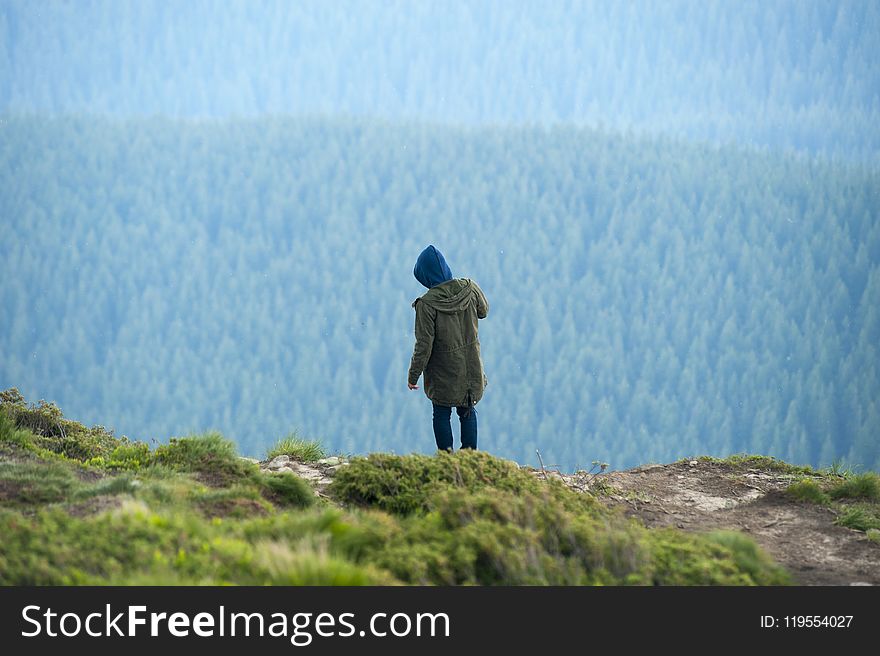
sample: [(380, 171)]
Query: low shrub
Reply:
[(211, 456), (750, 559), (130, 456), (287, 489), (406, 484), (52, 432)]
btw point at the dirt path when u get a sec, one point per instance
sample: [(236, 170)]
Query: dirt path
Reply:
[(702, 495)]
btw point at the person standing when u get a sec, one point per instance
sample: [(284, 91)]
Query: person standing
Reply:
[(447, 348)]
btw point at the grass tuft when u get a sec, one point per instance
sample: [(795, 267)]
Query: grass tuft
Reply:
[(861, 517), (807, 490), (211, 456), (861, 486), (297, 448)]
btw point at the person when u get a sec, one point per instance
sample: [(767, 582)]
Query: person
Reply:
[(447, 348)]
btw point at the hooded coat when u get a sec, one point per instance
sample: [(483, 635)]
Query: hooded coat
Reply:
[(447, 348)]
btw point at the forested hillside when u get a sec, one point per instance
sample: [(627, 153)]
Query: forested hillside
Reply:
[(788, 73), (649, 298)]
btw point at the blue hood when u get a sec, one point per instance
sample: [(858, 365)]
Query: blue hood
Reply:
[(431, 268)]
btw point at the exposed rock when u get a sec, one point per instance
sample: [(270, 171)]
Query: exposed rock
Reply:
[(319, 474), (278, 462)]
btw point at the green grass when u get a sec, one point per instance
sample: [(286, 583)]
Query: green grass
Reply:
[(406, 484), (808, 490), (297, 448), (287, 489), (50, 431), (749, 559), (766, 463), (855, 499), (839, 468), (37, 483), (192, 512), (861, 517), (860, 486), (211, 456)]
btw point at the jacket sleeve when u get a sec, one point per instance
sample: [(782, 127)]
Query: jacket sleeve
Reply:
[(482, 303), (424, 330)]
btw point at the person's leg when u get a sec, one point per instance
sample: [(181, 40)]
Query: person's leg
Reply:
[(442, 429), (468, 427)]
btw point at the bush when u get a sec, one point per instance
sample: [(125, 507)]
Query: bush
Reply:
[(130, 456), (406, 484), (679, 558), (499, 537), (52, 432), (749, 559), (211, 456), (11, 434), (287, 489)]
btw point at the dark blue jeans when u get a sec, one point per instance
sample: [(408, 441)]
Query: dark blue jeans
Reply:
[(443, 429)]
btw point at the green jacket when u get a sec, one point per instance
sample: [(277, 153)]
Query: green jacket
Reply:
[(447, 348)]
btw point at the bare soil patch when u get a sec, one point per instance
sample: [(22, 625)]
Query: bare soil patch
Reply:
[(703, 495)]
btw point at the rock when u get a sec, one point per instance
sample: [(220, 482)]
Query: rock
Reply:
[(278, 462), (332, 460), (646, 468), (305, 471), (693, 463)]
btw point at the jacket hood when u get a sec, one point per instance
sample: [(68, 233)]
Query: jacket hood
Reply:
[(451, 296), (431, 268)]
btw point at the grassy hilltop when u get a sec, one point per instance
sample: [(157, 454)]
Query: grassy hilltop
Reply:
[(80, 506)]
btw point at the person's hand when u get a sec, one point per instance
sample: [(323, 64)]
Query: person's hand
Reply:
[(411, 386)]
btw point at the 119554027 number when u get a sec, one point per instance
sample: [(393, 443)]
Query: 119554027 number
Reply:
[(806, 621)]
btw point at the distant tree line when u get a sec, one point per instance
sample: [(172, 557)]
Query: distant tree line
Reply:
[(788, 73), (650, 299)]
